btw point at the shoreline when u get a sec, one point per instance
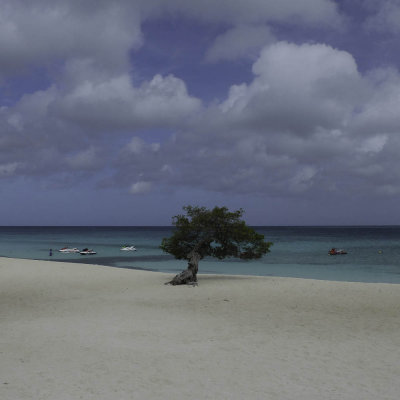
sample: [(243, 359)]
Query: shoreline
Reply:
[(172, 274), (73, 330)]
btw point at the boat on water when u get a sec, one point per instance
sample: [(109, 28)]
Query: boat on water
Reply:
[(69, 250), (128, 248), (87, 252), (335, 252)]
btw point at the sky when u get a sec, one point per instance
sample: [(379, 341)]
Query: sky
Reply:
[(121, 112)]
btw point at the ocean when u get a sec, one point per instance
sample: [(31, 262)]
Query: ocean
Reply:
[(373, 252)]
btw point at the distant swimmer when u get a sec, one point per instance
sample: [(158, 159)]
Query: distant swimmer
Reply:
[(50, 252)]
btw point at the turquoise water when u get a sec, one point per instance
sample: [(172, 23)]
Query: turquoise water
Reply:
[(373, 252)]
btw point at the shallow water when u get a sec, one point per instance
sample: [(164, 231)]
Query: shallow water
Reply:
[(373, 252)]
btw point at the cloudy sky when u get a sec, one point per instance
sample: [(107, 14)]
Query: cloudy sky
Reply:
[(120, 112)]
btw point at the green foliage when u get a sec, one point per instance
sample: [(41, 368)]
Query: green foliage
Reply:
[(216, 233)]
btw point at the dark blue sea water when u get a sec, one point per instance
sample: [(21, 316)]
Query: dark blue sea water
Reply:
[(373, 252)]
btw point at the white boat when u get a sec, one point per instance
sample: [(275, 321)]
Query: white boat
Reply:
[(69, 250), (128, 248), (87, 252)]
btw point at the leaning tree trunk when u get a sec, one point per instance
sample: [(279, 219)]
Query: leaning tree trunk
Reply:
[(189, 275)]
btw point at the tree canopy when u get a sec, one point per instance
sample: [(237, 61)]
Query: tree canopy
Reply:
[(218, 233)]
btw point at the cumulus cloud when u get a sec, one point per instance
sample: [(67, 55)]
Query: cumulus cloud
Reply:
[(115, 103), (374, 144), (306, 120), (240, 41), (301, 126), (67, 128), (316, 84), (43, 32), (380, 111), (140, 187)]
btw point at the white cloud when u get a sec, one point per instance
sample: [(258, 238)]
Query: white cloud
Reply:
[(165, 99), (303, 125), (141, 187), (84, 160), (240, 41), (116, 104), (297, 88), (8, 169), (374, 144), (46, 131), (138, 146), (48, 32), (379, 113), (306, 121), (42, 32), (15, 121)]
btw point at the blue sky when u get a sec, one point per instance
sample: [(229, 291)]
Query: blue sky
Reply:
[(121, 112)]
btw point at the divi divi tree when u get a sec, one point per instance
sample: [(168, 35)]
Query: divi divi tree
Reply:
[(218, 233)]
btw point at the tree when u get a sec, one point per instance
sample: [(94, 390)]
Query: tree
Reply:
[(215, 233)]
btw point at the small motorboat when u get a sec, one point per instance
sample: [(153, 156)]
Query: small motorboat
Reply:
[(87, 252), (336, 252), (128, 248), (69, 250)]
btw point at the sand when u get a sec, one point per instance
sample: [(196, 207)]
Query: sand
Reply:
[(71, 331)]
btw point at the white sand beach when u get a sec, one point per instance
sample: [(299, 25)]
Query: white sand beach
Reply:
[(72, 331)]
